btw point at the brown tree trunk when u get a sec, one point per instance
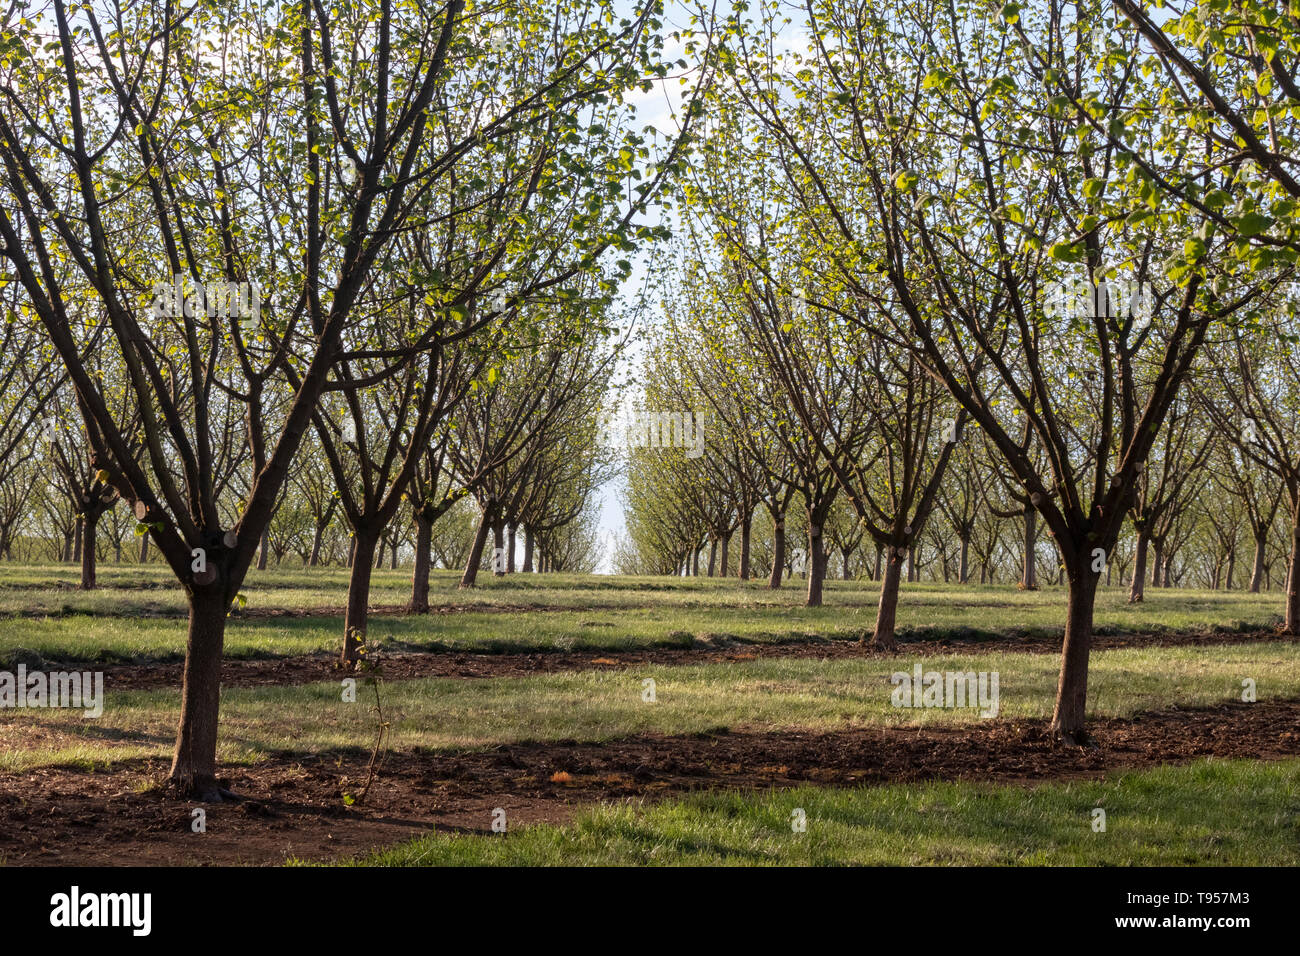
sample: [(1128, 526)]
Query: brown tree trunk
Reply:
[(316, 541), (778, 555), (1292, 578), (1157, 562), (1072, 687), (423, 561), (746, 524), (1135, 592), (887, 610), (75, 556), (470, 577), (498, 549), (510, 548), (194, 762), (1029, 574), (90, 519), (713, 554), (726, 550), (144, 548), (816, 566), (963, 567), (263, 550), (364, 545), (528, 551), (1257, 572), (845, 554)]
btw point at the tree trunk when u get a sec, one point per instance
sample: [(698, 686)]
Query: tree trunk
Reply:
[(1257, 573), (844, 557), (468, 579), (90, 519), (912, 574), (1231, 569), (315, 546), (816, 566), (1135, 592), (887, 610), (364, 545), (1072, 687), (194, 763), (75, 556), (1029, 574), (695, 563), (263, 550), (746, 524), (1292, 578), (510, 548), (778, 555), (144, 548), (393, 550), (726, 549), (420, 576), (528, 551), (1157, 562), (963, 568), (498, 549)]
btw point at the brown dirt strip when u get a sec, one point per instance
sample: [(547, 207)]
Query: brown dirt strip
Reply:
[(284, 671), (295, 807)]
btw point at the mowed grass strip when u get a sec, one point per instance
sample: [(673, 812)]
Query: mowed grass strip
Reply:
[(599, 705), (122, 626), (1209, 813)]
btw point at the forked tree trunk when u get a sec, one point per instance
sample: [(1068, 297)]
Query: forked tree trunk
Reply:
[(364, 544), (470, 577), (423, 561), (1068, 719), (845, 554), (194, 767), (1135, 592), (778, 554), (887, 610)]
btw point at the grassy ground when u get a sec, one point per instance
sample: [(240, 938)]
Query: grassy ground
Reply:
[(599, 705), (135, 616), (1207, 813)]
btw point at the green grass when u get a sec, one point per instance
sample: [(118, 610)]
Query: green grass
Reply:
[(1206, 813), (600, 705), (137, 616)]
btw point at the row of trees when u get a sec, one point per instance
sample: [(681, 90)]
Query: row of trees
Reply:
[(404, 211), (419, 201), (1206, 517), (877, 233)]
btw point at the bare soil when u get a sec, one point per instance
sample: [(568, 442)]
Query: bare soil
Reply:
[(306, 669), (295, 804)]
